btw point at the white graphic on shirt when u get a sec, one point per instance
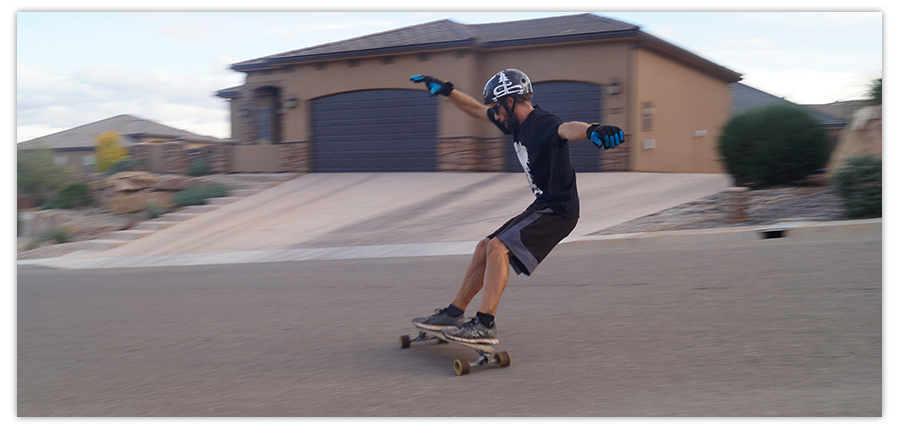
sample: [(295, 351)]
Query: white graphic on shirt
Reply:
[(522, 153), (505, 87)]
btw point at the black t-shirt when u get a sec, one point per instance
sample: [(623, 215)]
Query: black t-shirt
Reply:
[(545, 157)]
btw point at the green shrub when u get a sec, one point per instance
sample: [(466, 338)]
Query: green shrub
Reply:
[(73, 195), (198, 168), (38, 175), (124, 164), (774, 145), (197, 194), (858, 182), (153, 210), (60, 235)]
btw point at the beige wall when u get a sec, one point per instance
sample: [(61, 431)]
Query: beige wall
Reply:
[(685, 102), (307, 82), (468, 70), (260, 158)]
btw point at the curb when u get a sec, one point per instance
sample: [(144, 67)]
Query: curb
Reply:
[(781, 229), (792, 229)]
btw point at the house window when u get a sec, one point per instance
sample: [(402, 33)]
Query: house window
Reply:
[(647, 111), (61, 160), (88, 160), (264, 124), (266, 117)]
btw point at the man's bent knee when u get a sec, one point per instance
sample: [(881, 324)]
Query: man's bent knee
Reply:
[(497, 247), (482, 248)]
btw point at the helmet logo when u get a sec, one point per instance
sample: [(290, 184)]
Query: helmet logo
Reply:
[(506, 87)]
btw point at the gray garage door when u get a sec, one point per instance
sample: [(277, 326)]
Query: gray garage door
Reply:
[(375, 130), (570, 100)]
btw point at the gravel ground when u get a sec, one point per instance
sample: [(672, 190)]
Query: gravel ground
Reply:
[(765, 207)]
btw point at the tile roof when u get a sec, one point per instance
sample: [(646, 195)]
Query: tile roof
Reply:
[(130, 128), (449, 34), (437, 34), (744, 98), (570, 27)]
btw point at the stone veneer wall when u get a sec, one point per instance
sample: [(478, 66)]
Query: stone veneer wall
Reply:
[(470, 154), (140, 152), (296, 156), (616, 159), (173, 157), (219, 155)]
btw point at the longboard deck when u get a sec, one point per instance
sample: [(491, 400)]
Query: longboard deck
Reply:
[(487, 348), (486, 353)]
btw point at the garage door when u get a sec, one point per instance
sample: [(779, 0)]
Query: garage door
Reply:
[(570, 100), (375, 130)]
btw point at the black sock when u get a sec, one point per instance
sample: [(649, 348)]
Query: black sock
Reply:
[(485, 319), (453, 311)]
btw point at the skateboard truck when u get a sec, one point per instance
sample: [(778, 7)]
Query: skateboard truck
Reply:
[(486, 353)]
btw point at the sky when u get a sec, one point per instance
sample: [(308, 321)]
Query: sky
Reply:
[(78, 67)]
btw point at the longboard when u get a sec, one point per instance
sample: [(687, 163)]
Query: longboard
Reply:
[(486, 353)]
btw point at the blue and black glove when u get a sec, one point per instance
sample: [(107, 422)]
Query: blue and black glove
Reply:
[(434, 85), (605, 136)]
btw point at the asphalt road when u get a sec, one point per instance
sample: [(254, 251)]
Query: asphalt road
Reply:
[(776, 327)]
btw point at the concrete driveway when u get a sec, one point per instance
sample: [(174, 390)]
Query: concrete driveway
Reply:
[(345, 210)]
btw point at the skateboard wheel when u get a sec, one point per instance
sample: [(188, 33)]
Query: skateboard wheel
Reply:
[(501, 359), (404, 341), (462, 367)]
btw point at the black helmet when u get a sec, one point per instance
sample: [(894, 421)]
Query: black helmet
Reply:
[(511, 82)]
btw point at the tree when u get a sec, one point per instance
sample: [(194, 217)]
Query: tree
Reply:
[(874, 92), (38, 175), (108, 150)]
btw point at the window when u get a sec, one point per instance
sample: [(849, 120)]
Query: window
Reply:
[(88, 160), (61, 160), (647, 111), (264, 124)]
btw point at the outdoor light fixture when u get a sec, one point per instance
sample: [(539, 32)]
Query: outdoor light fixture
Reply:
[(291, 103), (614, 88)]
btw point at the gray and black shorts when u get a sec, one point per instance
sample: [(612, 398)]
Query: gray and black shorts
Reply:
[(531, 236)]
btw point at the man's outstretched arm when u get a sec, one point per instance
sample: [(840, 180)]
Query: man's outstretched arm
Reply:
[(604, 136), (464, 102)]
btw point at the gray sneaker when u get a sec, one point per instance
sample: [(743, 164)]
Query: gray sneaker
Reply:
[(472, 332), (438, 321)]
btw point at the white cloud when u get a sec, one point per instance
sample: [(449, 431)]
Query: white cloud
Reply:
[(817, 20), (810, 87), (50, 101)]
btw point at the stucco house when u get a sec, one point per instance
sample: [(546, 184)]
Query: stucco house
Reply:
[(75, 147), (349, 105)]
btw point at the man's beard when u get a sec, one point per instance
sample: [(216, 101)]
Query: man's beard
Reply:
[(510, 122)]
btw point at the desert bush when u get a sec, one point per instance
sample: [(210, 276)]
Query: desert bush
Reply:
[(73, 195), (858, 182), (153, 210), (197, 194), (60, 235), (124, 164), (198, 168)]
